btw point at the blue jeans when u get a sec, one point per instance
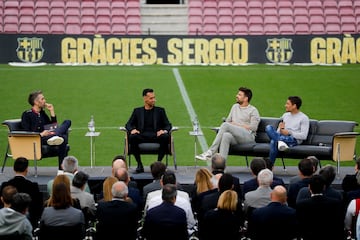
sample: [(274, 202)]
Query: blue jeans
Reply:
[(274, 138)]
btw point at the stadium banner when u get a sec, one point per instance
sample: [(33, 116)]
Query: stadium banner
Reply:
[(187, 50)]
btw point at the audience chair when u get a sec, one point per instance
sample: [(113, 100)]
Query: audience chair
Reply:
[(26, 144), (75, 232), (150, 148)]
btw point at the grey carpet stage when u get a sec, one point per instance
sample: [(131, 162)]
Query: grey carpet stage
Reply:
[(185, 175)]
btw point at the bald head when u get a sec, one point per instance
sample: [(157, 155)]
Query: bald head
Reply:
[(122, 175), (279, 194), (119, 190), (118, 163)]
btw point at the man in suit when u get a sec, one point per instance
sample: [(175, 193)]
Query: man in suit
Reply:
[(36, 120), (24, 185), (276, 214), (320, 217), (117, 214), (166, 221), (148, 124), (157, 171)]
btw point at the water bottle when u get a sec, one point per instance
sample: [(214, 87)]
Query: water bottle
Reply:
[(91, 124), (195, 125)]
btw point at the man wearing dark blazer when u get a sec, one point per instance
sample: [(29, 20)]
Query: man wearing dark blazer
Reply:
[(117, 216), (265, 220), (166, 221), (148, 124), (320, 217), (24, 185)]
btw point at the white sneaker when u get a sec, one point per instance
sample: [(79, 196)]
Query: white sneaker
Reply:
[(282, 146), (204, 156), (55, 140)]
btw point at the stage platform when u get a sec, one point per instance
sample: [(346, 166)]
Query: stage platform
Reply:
[(185, 175)]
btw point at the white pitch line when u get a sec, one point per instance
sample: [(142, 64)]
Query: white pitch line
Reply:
[(189, 107)]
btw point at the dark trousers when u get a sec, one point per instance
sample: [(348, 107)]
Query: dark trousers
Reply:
[(61, 131), (136, 139)]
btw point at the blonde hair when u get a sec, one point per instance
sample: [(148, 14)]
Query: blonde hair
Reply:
[(203, 180), (107, 185), (228, 200)]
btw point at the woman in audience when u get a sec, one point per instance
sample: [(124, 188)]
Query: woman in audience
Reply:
[(60, 210), (203, 186), (107, 185), (223, 222)]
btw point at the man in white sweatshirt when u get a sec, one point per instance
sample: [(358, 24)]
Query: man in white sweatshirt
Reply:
[(292, 130)]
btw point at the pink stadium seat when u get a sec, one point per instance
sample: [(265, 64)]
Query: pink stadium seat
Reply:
[(57, 4), (302, 28), (317, 28), (194, 19), (72, 20), (87, 11), (42, 28), (316, 19), (27, 6), (255, 20), (332, 19), (269, 4), (195, 12), (73, 4), (284, 4), (240, 20), (11, 11), (285, 11), (57, 28), (133, 29), (256, 29), (103, 28), (316, 12), (345, 3), (298, 19), (210, 12), (26, 19), (72, 12), (255, 4), (330, 3), (195, 4), (88, 28), (57, 19), (11, 28), (118, 19), (286, 28), (103, 12), (225, 12), (42, 4), (333, 28), (255, 12), (210, 19), (118, 29), (195, 29), (225, 29), (56, 11), (348, 28), (239, 12), (88, 20), (103, 4), (225, 19), (42, 19), (301, 12), (331, 11), (73, 28), (11, 4), (240, 29), (41, 11), (11, 19), (26, 28), (88, 4), (132, 12), (210, 29), (271, 29), (210, 4), (103, 19)]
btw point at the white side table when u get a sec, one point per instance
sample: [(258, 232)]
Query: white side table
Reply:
[(92, 136), (196, 135)]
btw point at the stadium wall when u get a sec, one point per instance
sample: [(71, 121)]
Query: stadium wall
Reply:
[(187, 50)]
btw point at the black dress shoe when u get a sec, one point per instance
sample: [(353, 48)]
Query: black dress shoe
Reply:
[(139, 170)]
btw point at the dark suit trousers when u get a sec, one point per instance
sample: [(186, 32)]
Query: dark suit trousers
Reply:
[(136, 139)]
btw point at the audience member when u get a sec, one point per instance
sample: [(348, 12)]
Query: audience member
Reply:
[(224, 221), (265, 220), (24, 185), (148, 124), (117, 216), (157, 170), (166, 221), (315, 163), (351, 182), (13, 220), (261, 196), (106, 190), (328, 173), (351, 215), (182, 199), (70, 167), (218, 165), (256, 165), (118, 161), (77, 191), (306, 170), (320, 217), (60, 210), (203, 186), (36, 120)]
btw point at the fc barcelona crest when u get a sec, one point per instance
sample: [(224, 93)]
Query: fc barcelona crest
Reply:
[(30, 50), (279, 50)]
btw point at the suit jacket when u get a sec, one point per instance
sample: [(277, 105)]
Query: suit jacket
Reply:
[(161, 122), (32, 188), (267, 219), (294, 190), (116, 217), (236, 181), (155, 185), (330, 192), (165, 221), (320, 217)]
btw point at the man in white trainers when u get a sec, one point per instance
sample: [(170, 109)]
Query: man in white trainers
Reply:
[(240, 126), (36, 120), (292, 130)]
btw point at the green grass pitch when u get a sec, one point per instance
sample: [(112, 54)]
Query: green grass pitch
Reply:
[(111, 92)]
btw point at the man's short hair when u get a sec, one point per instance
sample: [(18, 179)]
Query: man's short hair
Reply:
[(122, 175), (269, 164), (70, 164), (32, 97), (21, 164), (157, 169), (247, 92), (119, 190), (218, 162), (7, 194), (20, 202), (295, 100), (257, 164), (226, 182), (306, 167), (328, 172), (169, 192), (265, 177), (315, 162), (168, 178), (316, 184), (146, 91), (80, 179)]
